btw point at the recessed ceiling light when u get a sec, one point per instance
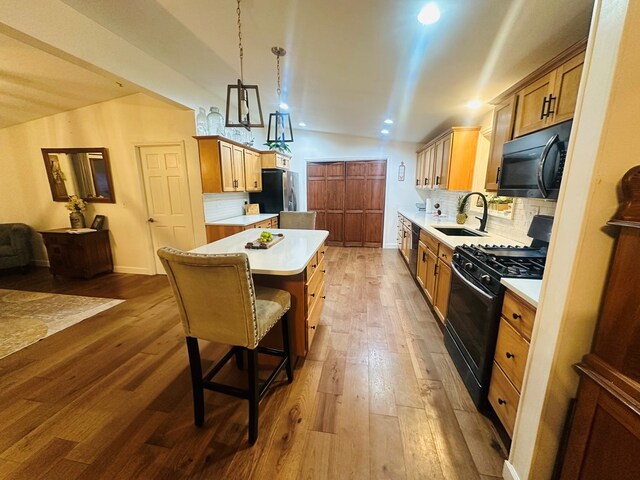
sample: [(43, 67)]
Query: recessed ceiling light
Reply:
[(429, 14), (388, 121), (384, 131), (302, 124), (474, 104), (284, 106)]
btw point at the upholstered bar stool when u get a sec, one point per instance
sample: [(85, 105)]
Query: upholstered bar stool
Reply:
[(298, 220), (219, 303)]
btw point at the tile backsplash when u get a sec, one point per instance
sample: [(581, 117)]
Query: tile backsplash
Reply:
[(514, 228), (218, 206)]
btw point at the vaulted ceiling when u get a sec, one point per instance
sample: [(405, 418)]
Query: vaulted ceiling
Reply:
[(350, 64)]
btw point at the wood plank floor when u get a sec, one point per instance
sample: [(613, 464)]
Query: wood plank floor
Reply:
[(110, 397)]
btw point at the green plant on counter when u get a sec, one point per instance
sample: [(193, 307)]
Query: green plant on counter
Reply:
[(495, 199), (281, 147)]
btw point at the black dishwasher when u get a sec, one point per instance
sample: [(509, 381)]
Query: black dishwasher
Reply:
[(413, 256)]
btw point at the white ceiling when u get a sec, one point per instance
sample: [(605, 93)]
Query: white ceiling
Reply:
[(351, 63), (35, 84)]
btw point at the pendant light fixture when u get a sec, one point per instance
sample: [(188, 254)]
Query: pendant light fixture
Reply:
[(247, 97), (280, 130)]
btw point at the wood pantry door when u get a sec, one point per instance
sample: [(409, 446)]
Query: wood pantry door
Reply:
[(325, 196), (365, 186), (349, 198)]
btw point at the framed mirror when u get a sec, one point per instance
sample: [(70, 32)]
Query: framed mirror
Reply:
[(84, 172)]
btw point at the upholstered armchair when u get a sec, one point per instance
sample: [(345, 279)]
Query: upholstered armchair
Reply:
[(15, 245)]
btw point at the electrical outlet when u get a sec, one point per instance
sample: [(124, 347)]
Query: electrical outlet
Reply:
[(531, 212)]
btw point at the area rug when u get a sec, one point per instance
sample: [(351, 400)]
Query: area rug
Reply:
[(26, 317)]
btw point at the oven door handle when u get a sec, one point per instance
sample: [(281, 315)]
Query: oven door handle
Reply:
[(543, 160), (462, 277)]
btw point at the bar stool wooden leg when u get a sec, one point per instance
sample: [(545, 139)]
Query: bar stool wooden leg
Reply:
[(196, 380), (286, 346), (254, 395)]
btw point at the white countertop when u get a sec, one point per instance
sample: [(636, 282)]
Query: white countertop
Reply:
[(243, 220), (528, 290), (288, 257), (427, 221)]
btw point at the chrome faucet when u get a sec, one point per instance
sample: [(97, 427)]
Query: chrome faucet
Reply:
[(483, 220)]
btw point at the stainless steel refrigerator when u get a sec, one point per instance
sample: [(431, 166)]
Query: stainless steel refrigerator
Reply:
[(279, 191)]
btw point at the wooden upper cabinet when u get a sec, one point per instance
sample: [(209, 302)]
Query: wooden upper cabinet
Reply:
[(532, 105), (419, 167), (501, 132), (252, 171), (238, 169), (228, 167), (567, 85), (550, 99), (447, 162), (275, 160)]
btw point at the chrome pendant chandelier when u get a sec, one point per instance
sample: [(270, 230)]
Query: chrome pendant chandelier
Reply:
[(245, 98), (280, 130)]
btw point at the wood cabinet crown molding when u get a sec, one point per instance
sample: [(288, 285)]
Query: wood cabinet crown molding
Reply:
[(543, 70)]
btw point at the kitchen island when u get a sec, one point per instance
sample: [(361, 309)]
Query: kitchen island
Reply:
[(296, 264)]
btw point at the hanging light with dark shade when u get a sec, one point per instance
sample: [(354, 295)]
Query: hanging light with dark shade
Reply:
[(246, 97), (280, 130)]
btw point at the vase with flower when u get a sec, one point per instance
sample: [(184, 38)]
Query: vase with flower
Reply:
[(76, 206)]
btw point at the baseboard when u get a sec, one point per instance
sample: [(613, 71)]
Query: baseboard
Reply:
[(134, 270), (509, 471), (390, 245)]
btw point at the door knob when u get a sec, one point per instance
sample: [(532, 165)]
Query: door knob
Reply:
[(151, 220)]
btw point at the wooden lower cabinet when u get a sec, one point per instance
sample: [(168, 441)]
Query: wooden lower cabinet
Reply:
[(443, 289), (78, 254), (434, 272), (510, 358), (218, 232), (307, 290)]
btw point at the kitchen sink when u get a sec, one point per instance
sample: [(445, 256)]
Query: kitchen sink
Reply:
[(459, 232)]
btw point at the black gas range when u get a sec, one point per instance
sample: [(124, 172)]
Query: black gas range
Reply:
[(475, 301), (487, 264)]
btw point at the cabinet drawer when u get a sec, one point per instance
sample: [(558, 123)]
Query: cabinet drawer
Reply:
[(321, 251), (518, 314), (313, 286), (430, 242), (274, 222), (504, 398), (313, 318), (511, 353), (262, 224), (445, 254)]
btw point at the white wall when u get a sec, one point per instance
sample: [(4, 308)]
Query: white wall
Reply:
[(119, 125), (313, 146)]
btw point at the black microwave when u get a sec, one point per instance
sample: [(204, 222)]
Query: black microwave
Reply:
[(532, 165)]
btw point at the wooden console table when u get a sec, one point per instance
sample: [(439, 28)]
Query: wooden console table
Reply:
[(78, 254)]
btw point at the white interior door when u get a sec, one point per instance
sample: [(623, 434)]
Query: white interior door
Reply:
[(168, 203)]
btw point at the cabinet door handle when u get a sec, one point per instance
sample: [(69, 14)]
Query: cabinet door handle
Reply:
[(151, 220), (517, 316), (544, 108), (426, 181), (312, 295), (435, 270), (501, 401), (324, 271), (424, 257), (323, 297), (551, 99), (312, 327), (417, 182), (437, 179), (498, 176), (255, 183), (510, 355)]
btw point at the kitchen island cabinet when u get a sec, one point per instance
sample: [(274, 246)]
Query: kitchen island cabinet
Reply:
[(296, 264)]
